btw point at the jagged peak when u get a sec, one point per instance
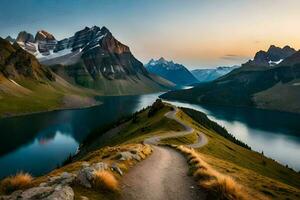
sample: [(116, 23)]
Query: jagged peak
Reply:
[(24, 36), (44, 35)]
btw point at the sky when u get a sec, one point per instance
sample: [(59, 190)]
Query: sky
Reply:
[(196, 33)]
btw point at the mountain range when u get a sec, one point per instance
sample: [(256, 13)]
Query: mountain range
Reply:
[(270, 81), (91, 62), (93, 58), (171, 71), (206, 75)]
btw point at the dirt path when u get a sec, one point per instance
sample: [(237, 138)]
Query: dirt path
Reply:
[(162, 176), (201, 141)]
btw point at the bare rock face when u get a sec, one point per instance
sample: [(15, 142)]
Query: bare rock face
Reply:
[(43, 35), (45, 41), (102, 54)]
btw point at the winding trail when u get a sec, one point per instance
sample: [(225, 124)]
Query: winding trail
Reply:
[(201, 141), (163, 176)]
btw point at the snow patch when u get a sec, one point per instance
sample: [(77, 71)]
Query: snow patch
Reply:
[(54, 54), (273, 63)]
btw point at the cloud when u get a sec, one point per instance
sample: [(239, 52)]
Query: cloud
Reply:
[(232, 57)]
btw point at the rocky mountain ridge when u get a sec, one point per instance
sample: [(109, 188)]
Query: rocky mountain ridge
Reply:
[(272, 57)]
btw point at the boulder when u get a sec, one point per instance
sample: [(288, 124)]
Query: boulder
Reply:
[(85, 175), (100, 166), (116, 168), (61, 193), (37, 193)]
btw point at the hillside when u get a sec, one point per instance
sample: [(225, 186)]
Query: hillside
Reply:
[(95, 59), (26, 86), (171, 71), (257, 84), (118, 151)]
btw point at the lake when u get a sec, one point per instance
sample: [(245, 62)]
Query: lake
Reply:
[(38, 143)]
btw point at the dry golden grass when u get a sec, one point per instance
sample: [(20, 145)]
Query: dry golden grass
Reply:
[(105, 180), (219, 186), (19, 181)]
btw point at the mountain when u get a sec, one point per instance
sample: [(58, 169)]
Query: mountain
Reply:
[(15, 63), (94, 58), (256, 84), (27, 86), (171, 71), (272, 57), (207, 75), (10, 39), (41, 45)]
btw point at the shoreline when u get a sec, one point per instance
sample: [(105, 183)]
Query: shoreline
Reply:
[(53, 110)]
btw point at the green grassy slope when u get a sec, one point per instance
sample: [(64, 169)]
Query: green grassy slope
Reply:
[(32, 96)]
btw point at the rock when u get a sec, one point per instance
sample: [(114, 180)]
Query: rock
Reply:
[(13, 196), (115, 167), (136, 157), (37, 193), (61, 193), (100, 166), (85, 164), (64, 178), (85, 175), (43, 184), (84, 198), (124, 155)]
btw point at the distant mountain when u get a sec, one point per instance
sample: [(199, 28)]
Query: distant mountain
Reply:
[(207, 75), (272, 57), (41, 45), (171, 71), (257, 83), (93, 58), (10, 39)]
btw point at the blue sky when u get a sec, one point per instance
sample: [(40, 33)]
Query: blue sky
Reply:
[(199, 34)]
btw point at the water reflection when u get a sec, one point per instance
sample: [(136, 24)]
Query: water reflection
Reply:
[(37, 143), (275, 133), (46, 139)]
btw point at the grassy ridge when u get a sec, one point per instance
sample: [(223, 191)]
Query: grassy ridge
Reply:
[(250, 168)]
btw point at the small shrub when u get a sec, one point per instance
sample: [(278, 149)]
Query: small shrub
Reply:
[(105, 180), (17, 182)]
